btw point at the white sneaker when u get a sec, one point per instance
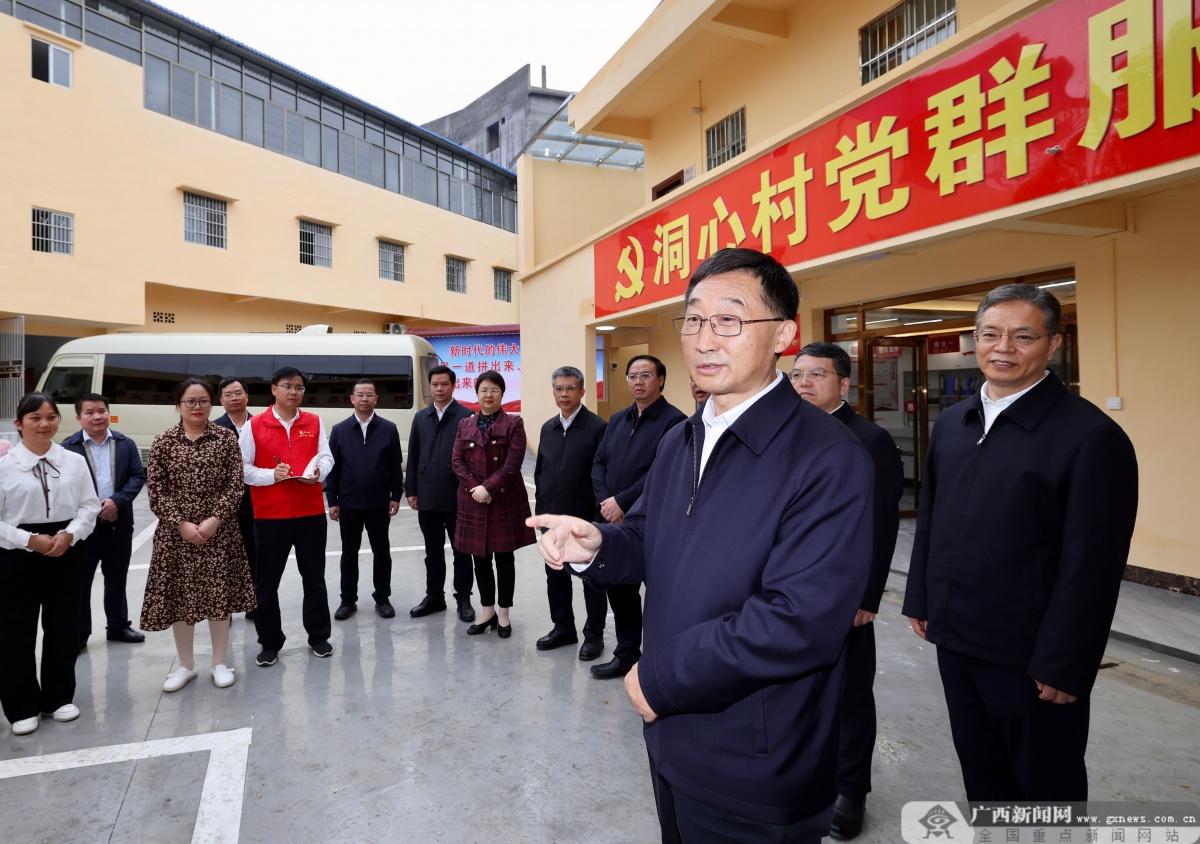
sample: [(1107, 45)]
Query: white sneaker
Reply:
[(222, 676), (66, 712), (26, 726), (178, 678)]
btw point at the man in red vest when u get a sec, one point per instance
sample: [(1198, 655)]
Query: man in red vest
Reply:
[(285, 456)]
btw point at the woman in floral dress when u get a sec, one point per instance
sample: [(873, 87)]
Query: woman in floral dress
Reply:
[(198, 569)]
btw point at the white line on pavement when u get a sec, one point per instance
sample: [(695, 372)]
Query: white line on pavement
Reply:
[(144, 536)]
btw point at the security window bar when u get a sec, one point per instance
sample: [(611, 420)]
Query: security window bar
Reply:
[(50, 63), (204, 220), (391, 261), (903, 32), (316, 244), (726, 139), (53, 231), (503, 284), (456, 275)]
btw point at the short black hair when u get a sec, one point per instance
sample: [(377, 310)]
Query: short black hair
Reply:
[(659, 366), (442, 369), (193, 381), (32, 402), (779, 291), (839, 356), (1043, 300), (287, 372), (491, 375), (89, 397), (225, 382), (370, 381)]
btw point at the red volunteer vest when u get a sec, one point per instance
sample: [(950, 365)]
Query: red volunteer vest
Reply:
[(287, 499)]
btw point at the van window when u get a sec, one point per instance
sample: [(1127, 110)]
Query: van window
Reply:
[(68, 383), (142, 379)]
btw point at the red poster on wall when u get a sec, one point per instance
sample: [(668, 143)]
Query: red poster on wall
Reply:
[(944, 344)]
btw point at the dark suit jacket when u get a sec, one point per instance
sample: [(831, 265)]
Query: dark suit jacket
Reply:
[(369, 473), (563, 471), (889, 486), (129, 475), (492, 458), (429, 476), (627, 450), (1023, 534), (246, 507), (753, 575)]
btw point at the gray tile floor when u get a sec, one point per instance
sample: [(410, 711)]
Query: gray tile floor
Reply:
[(412, 732)]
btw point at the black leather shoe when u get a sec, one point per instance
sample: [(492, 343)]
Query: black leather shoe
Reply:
[(503, 632), (465, 611), (591, 648), (484, 626), (615, 667), (847, 818), (126, 634), (345, 610), (428, 606), (556, 638), (384, 609)]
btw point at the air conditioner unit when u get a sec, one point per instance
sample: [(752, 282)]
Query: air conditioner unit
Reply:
[(393, 328)]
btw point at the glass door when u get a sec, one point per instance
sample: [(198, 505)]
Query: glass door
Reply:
[(894, 397)]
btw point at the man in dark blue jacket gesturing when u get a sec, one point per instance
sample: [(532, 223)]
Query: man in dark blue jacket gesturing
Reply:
[(753, 537), (364, 490)]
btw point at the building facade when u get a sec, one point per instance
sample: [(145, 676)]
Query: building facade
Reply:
[(900, 160), (166, 178)]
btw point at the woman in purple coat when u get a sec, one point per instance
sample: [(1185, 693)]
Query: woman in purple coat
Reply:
[(492, 502)]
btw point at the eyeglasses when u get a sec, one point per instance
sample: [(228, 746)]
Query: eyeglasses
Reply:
[(989, 337), (194, 403), (811, 374), (365, 396), (633, 377), (723, 325), (489, 393), (565, 388), (291, 388), (233, 394)]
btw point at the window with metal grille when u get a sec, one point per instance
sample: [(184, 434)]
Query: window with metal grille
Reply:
[(316, 244), (726, 138), (53, 231), (291, 328), (903, 32), (51, 64), (163, 317), (456, 275), (503, 282), (391, 260), (204, 220)]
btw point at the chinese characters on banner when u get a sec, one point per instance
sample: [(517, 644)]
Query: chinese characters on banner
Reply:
[(471, 355), (1076, 93)]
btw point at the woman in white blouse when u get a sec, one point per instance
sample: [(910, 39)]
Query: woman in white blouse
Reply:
[(47, 504)]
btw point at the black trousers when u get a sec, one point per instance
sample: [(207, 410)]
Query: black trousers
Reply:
[(558, 590), (685, 820), (246, 528), (31, 583), (506, 575), (437, 526), (350, 525), (1012, 746), (626, 602), (109, 548), (856, 732), (273, 539)]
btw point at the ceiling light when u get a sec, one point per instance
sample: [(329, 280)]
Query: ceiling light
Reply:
[(606, 328)]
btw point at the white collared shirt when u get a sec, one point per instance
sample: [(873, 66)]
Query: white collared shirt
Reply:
[(22, 500), (102, 462), (441, 411), (715, 426), (363, 425), (994, 407), (261, 476), (567, 420)]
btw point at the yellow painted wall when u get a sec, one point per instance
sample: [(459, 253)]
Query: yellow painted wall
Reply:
[(94, 151)]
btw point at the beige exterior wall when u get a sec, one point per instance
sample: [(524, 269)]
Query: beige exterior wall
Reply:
[(94, 151)]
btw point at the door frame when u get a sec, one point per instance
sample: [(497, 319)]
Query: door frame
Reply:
[(919, 395)]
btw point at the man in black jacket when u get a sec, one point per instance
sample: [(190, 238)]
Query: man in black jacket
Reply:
[(432, 490), (563, 477), (821, 375), (1023, 531), (233, 397), (618, 476), (119, 476), (364, 490)]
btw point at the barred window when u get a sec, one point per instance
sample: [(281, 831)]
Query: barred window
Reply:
[(726, 139), (903, 32), (53, 231), (503, 281), (391, 260), (316, 244), (456, 275), (204, 220)]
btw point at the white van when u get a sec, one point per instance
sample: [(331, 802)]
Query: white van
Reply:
[(138, 373)]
